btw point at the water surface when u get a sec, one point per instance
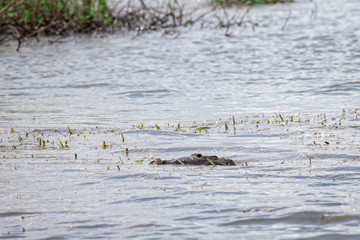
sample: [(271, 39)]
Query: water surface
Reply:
[(292, 86)]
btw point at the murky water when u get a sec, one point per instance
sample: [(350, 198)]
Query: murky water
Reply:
[(293, 87)]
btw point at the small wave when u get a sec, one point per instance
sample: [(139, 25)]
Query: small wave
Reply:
[(311, 217), (334, 237), (144, 93), (14, 214), (85, 86)]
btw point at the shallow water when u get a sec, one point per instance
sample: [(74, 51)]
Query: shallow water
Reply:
[(293, 89)]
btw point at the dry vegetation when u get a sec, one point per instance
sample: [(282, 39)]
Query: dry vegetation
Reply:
[(21, 20)]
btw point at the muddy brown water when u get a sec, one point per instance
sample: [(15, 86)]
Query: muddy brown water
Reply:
[(293, 91)]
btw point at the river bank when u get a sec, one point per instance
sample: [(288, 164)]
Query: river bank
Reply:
[(23, 21)]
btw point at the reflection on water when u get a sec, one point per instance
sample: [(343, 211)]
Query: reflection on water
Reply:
[(296, 174)]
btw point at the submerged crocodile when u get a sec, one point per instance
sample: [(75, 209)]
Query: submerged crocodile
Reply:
[(196, 159)]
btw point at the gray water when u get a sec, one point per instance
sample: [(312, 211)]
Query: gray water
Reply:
[(292, 84)]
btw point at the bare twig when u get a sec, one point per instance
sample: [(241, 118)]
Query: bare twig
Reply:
[(314, 12), (7, 6), (243, 16), (130, 15), (286, 20), (201, 16)]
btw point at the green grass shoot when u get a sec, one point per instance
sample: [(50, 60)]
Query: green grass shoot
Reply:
[(202, 128), (61, 144), (210, 161), (180, 162)]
